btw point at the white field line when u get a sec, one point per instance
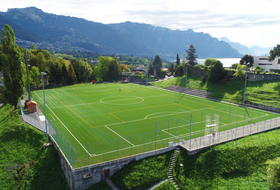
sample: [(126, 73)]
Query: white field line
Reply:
[(168, 133), (55, 91), (153, 117), (66, 127), (52, 117), (106, 101), (119, 135)]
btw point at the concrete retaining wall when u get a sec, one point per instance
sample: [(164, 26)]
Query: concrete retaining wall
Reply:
[(83, 178)]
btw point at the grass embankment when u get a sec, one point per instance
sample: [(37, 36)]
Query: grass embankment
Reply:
[(238, 164), (24, 164), (233, 90), (144, 173)]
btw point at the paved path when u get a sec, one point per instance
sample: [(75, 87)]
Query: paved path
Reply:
[(158, 184), (232, 133), (110, 183)]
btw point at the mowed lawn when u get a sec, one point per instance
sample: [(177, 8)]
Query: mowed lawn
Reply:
[(109, 121)]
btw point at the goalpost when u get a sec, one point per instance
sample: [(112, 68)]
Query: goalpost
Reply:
[(212, 125)]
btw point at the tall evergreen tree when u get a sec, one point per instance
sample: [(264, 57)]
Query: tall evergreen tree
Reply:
[(191, 56), (71, 76), (150, 69), (178, 61), (64, 74), (157, 64), (11, 60)]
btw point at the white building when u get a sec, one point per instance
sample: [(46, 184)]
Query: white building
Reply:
[(262, 62)]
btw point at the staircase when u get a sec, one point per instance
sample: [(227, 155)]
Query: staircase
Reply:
[(170, 171)]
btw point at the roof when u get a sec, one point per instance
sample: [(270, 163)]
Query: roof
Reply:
[(31, 102)]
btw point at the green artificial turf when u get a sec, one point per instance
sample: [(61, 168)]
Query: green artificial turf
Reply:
[(103, 122)]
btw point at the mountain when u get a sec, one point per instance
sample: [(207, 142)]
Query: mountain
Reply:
[(70, 33), (19, 31), (170, 42), (255, 50)]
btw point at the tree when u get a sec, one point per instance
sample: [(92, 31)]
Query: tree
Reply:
[(247, 60), (209, 62), (234, 66), (124, 68), (258, 70), (240, 71), (216, 72), (157, 64), (64, 74), (150, 69), (171, 68), (177, 61), (33, 46), (11, 60), (35, 75), (275, 52), (191, 56), (71, 75), (107, 68)]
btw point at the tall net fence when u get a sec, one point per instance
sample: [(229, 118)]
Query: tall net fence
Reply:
[(192, 130)]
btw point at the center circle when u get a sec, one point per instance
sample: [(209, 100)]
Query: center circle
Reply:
[(114, 101)]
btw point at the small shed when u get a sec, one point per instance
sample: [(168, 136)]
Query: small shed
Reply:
[(31, 106)]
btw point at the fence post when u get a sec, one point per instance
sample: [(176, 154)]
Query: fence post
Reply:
[(201, 127), (144, 143), (168, 133), (228, 121), (191, 133), (103, 150), (258, 118), (244, 120), (88, 154), (220, 124), (265, 116), (236, 121), (131, 144)]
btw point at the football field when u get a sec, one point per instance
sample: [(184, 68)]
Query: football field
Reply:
[(108, 121)]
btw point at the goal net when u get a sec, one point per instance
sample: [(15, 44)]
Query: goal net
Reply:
[(212, 125)]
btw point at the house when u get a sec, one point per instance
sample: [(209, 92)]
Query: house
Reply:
[(140, 68), (31, 106), (262, 62)]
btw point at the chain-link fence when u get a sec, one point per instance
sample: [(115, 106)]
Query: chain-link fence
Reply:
[(192, 130)]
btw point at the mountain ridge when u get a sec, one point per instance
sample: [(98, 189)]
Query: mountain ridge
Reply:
[(254, 50), (65, 32)]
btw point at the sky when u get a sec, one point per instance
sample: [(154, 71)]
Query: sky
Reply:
[(249, 22)]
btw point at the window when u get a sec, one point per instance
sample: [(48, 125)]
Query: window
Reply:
[(265, 64), (262, 58)]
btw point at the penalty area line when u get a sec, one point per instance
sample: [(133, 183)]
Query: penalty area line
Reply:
[(119, 136)]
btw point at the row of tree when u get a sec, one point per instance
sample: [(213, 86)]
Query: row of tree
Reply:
[(14, 64)]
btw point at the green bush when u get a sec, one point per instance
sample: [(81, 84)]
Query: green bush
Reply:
[(144, 173), (273, 173)]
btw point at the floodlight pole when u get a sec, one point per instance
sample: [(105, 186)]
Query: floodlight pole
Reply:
[(27, 70), (245, 86), (43, 73), (186, 74)]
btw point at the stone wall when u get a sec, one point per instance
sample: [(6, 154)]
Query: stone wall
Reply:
[(259, 77)]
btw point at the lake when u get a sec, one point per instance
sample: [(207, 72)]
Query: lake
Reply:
[(227, 62)]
